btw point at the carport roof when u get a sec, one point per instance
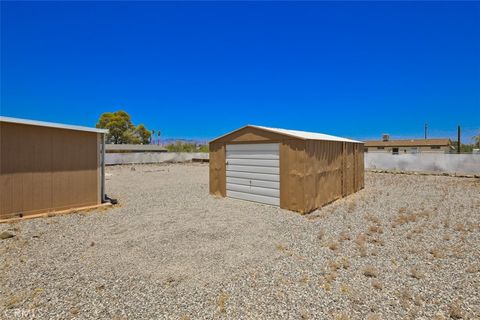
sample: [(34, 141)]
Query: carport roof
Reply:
[(304, 135)]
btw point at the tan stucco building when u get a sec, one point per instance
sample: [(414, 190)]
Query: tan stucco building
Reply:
[(409, 146)]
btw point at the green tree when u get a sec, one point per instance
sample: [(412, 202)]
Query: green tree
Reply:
[(476, 140), (121, 130), (143, 134)]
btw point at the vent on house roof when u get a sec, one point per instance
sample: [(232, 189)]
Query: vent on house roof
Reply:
[(385, 137)]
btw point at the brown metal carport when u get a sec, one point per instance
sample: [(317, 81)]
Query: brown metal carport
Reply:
[(296, 170), (47, 167)]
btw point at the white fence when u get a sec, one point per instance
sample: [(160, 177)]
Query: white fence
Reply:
[(421, 162), (425, 162), (152, 157)]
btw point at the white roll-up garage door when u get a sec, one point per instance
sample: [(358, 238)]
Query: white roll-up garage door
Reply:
[(253, 172)]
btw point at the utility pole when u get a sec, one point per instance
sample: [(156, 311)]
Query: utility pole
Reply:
[(458, 142), (426, 128)]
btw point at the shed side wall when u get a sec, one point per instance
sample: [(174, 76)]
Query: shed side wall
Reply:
[(292, 174), (45, 169), (323, 173), (217, 170)]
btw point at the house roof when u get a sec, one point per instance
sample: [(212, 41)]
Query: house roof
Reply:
[(51, 125), (304, 135), (409, 143)]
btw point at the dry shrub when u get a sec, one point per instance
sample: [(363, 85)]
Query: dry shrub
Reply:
[(416, 273), (418, 300), (351, 206), (360, 240), (370, 271), (281, 247), (402, 210), (363, 251), (375, 229), (321, 234), (474, 268), (344, 236), (221, 302), (446, 223), (460, 227), (341, 316), (333, 265), (330, 277), (437, 253), (345, 263), (371, 218), (377, 285), (373, 316), (332, 245), (344, 288), (446, 237), (403, 218), (455, 311), (305, 279), (327, 286)]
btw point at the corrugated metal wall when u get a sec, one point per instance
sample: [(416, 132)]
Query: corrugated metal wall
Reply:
[(44, 169), (312, 172)]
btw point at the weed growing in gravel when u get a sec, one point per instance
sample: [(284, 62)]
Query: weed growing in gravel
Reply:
[(416, 273), (330, 277), (321, 234), (344, 236), (333, 265), (345, 263), (437, 253), (473, 268), (377, 285), (373, 316), (361, 246), (370, 271), (341, 316), (344, 288), (221, 302), (332, 245), (351, 206), (455, 311), (460, 227), (447, 237), (375, 229)]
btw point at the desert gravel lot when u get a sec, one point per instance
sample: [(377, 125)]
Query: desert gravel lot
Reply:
[(405, 247)]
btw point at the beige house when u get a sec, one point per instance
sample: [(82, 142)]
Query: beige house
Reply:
[(409, 146)]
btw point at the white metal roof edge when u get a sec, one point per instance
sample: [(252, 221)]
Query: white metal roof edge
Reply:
[(51, 125), (295, 133), (306, 134)]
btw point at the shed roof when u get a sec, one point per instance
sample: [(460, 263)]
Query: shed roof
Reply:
[(304, 135), (51, 125), (409, 143)]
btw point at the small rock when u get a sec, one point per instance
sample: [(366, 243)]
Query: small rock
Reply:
[(132, 169), (6, 235)]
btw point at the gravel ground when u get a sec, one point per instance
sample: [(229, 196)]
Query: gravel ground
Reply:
[(405, 247)]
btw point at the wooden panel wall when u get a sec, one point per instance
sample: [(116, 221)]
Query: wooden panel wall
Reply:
[(45, 169), (323, 173), (217, 173), (292, 175)]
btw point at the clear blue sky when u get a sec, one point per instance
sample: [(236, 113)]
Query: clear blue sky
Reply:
[(202, 69)]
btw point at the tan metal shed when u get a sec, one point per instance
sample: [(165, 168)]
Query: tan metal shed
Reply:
[(47, 167), (296, 170)]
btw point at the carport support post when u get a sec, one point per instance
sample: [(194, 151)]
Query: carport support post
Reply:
[(103, 169)]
